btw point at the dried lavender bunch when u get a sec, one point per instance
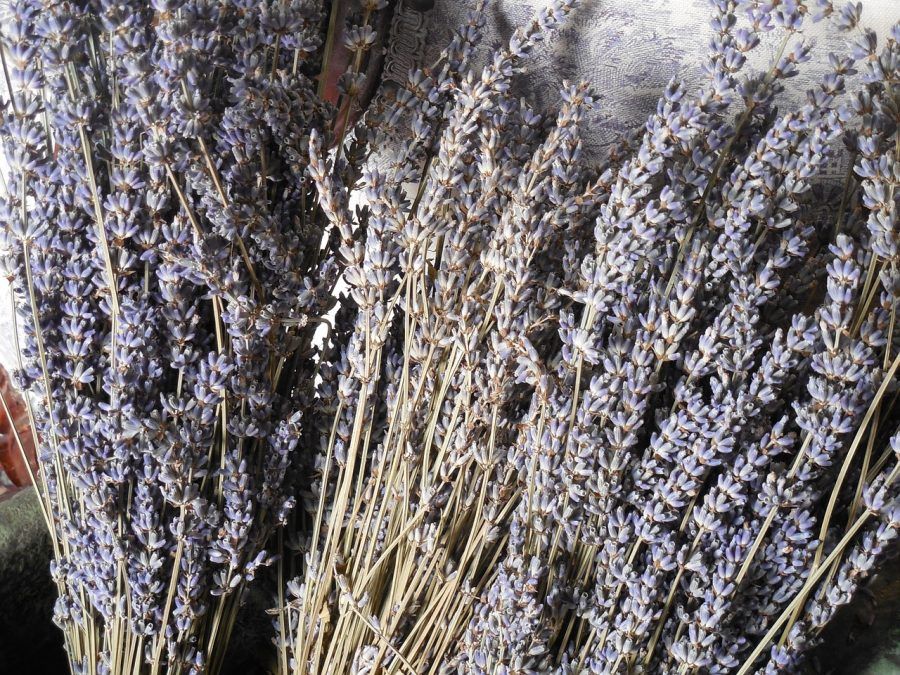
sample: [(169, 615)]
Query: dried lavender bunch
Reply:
[(375, 387), (164, 246), (631, 419)]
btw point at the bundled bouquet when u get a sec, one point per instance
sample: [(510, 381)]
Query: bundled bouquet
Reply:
[(638, 419), (536, 415), (162, 240)]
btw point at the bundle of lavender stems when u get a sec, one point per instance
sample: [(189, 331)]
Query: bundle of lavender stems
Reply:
[(164, 250), (471, 402), (638, 418)]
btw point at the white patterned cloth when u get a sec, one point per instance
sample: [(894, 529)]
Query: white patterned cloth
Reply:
[(628, 50)]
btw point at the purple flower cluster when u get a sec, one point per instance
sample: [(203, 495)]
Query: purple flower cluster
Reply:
[(633, 418), (164, 246)]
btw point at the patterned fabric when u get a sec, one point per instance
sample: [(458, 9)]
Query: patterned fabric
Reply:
[(627, 49)]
